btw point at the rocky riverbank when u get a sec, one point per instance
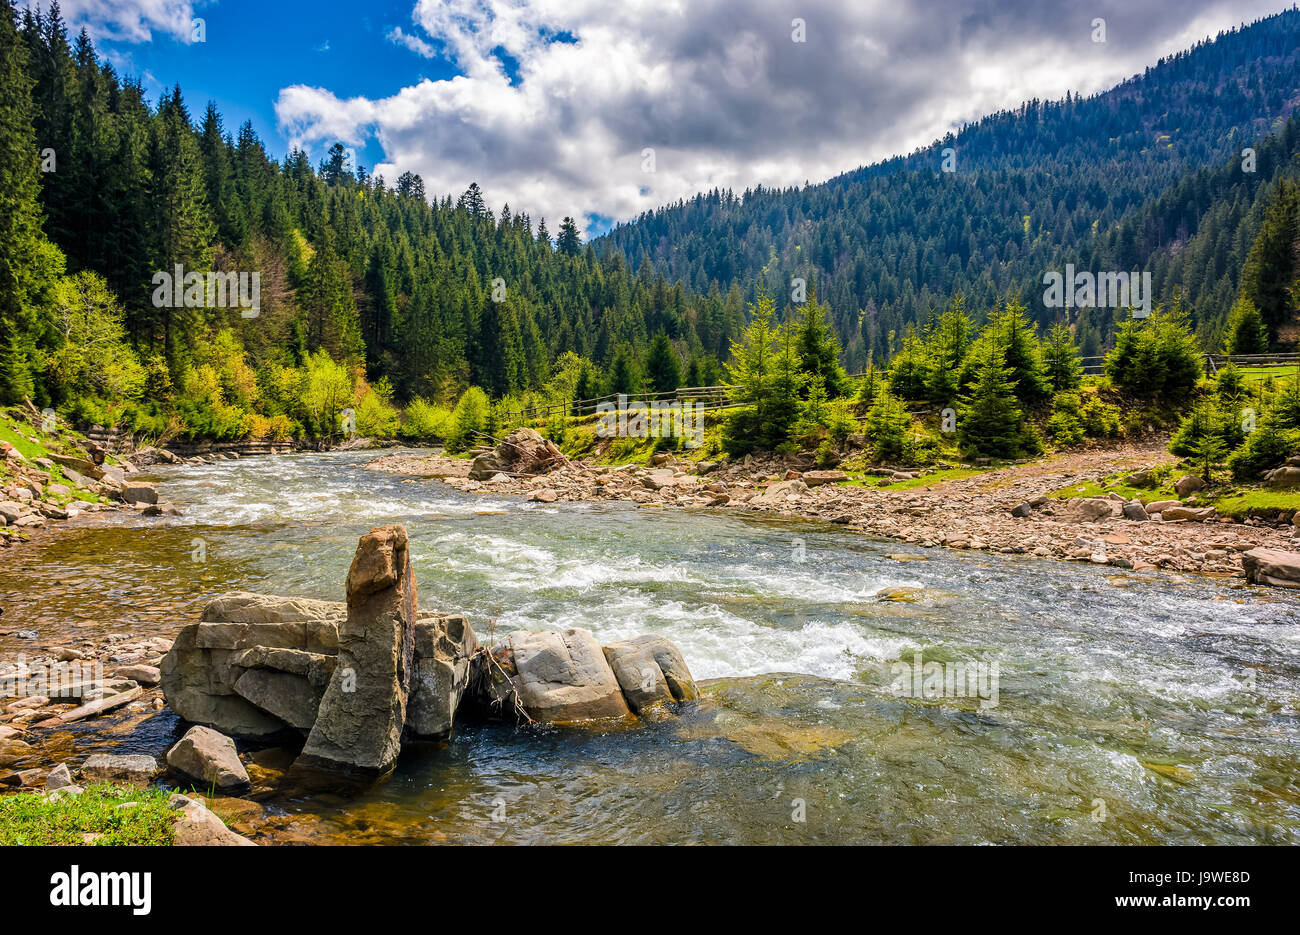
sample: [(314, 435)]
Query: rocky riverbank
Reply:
[(320, 693), (1008, 509)]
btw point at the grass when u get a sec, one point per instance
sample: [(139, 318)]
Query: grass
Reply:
[(1256, 501), (937, 477), (1260, 374), (38, 449), (28, 819)]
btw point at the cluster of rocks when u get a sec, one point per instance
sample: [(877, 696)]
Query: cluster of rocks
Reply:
[(33, 492), (69, 684), (523, 451), (361, 679)]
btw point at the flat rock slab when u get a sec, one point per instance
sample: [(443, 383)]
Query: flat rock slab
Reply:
[(1272, 567), (136, 769)]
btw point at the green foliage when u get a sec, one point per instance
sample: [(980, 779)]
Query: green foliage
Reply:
[(887, 425), (1276, 436), (1269, 275), (663, 370), (1061, 365), (376, 416), (424, 420), (29, 819), (471, 415), (1246, 332), (1156, 357), (990, 422), (819, 347), (1065, 425), (766, 378)]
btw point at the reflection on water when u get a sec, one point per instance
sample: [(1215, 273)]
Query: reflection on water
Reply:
[(1171, 702)]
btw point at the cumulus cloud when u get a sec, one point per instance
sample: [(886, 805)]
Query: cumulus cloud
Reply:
[(557, 101), (126, 20)]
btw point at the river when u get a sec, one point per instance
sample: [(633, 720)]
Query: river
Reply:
[(1125, 707)]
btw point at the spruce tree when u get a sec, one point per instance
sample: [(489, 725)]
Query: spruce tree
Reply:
[(989, 419), (663, 371)]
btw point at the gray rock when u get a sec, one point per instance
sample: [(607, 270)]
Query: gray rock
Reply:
[(139, 492), (1193, 514), (1188, 484), (359, 724), (291, 698), (1021, 510), (198, 827), (1272, 567), (439, 677), (210, 759), (59, 778), (135, 769), (1284, 477), (1089, 509), (564, 677), (1135, 511)]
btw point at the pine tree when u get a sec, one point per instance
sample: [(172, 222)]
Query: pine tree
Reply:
[(29, 264), (819, 347), (1269, 274), (1245, 332), (569, 243), (1061, 365), (990, 416), (663, 371)]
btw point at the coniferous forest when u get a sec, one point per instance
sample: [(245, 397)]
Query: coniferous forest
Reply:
[(377, 293)]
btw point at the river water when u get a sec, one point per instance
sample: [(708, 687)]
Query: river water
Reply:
[(1107, 706)]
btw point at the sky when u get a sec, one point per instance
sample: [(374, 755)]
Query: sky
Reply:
[(602, 109)]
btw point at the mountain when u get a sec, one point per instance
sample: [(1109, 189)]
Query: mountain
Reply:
[(1049, 183)]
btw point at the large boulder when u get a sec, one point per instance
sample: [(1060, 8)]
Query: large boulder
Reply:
[(567, 678), (564, 677), (1284, 477), (255, 665), (1135, 511), (1272, 566), (651, 672), (1088, 509), (523, 451), (439, 676), (209, 759), (359, 724), (1188, 484)]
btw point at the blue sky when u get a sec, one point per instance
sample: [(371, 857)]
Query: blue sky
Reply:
[(254, 49), (602, 109)]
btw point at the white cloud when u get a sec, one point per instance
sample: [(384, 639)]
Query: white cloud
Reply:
[(414, 43), (719, 90), (126, 20)]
